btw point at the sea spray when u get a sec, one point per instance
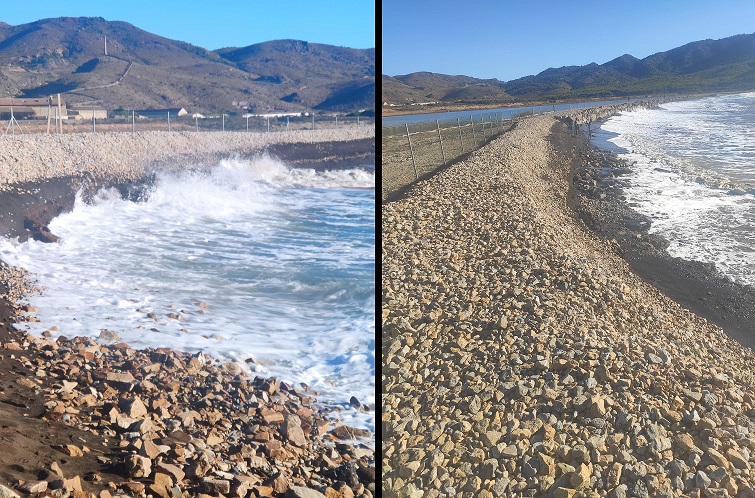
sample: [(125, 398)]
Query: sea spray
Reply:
[(251, 261), (693, 176)]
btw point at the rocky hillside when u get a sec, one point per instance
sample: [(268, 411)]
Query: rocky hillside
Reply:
[(721, 65), (144, 70)]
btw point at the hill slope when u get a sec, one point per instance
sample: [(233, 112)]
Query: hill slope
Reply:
[(67, 55), (727, 64)]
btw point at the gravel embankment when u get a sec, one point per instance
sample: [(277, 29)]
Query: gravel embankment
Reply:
[(126, 156), (522, 357)]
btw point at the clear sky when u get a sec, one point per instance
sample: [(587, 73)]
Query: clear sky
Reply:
[(508, 39), (214, 24)]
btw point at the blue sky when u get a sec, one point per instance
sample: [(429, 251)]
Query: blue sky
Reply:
[(508, 39), (221, 23)]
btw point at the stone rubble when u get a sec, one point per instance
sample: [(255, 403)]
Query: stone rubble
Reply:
[(187, 425), (522, 357)]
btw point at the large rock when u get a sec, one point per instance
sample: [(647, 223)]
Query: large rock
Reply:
[(302, 492), (291, 430), (138, 466)]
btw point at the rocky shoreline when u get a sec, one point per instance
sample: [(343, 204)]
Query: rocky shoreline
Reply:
[(598, 199), (85, 417), (523, 356)]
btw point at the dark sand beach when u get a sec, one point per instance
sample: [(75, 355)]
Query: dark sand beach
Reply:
[(85, 417)]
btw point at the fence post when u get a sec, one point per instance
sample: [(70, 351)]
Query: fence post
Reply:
[(411, 151), (458, 123), (133, 119), (168, 120), (474, 139), (443, 153), (482, 118)]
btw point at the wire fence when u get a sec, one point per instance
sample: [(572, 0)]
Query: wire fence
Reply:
[(413, 151), (128, 122)]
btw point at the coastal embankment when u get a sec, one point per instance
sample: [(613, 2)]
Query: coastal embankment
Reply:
[(523, 355), (98, 417)]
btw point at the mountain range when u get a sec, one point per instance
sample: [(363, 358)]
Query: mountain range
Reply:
[(723, 65), (141, 70)]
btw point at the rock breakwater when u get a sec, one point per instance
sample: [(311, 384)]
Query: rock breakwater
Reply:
[(523, 357)]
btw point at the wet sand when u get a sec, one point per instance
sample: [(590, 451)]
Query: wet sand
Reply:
[(596, 195)]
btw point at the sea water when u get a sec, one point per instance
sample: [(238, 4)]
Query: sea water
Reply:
[(249, 260), (693, 175)]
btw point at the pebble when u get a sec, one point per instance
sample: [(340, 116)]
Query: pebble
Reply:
[(503, 314)]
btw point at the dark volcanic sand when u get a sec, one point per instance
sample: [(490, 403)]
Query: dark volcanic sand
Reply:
[(596, 197)]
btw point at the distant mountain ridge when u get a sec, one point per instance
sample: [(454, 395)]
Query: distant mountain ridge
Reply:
[(67, 55), (721, 65)]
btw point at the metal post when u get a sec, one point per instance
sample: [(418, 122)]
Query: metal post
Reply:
[(357, 119), (133, 121), (286, 123), (313, 121), (223, 122), (268, 124), (458, 123), (60, 114), (49, 103), (94, 129), (196, 122), (482, 118), (168, 120), (443, 153), (247, 123), (336, 120), (474, 139), (411, 151)]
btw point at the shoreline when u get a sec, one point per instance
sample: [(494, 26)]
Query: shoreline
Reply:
[(523, 355), (699, 287), (78, 413)]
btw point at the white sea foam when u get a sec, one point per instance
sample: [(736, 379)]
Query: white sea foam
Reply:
[(283, 258), (693, 174)]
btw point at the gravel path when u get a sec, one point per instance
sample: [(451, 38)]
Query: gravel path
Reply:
[(522, 357)]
